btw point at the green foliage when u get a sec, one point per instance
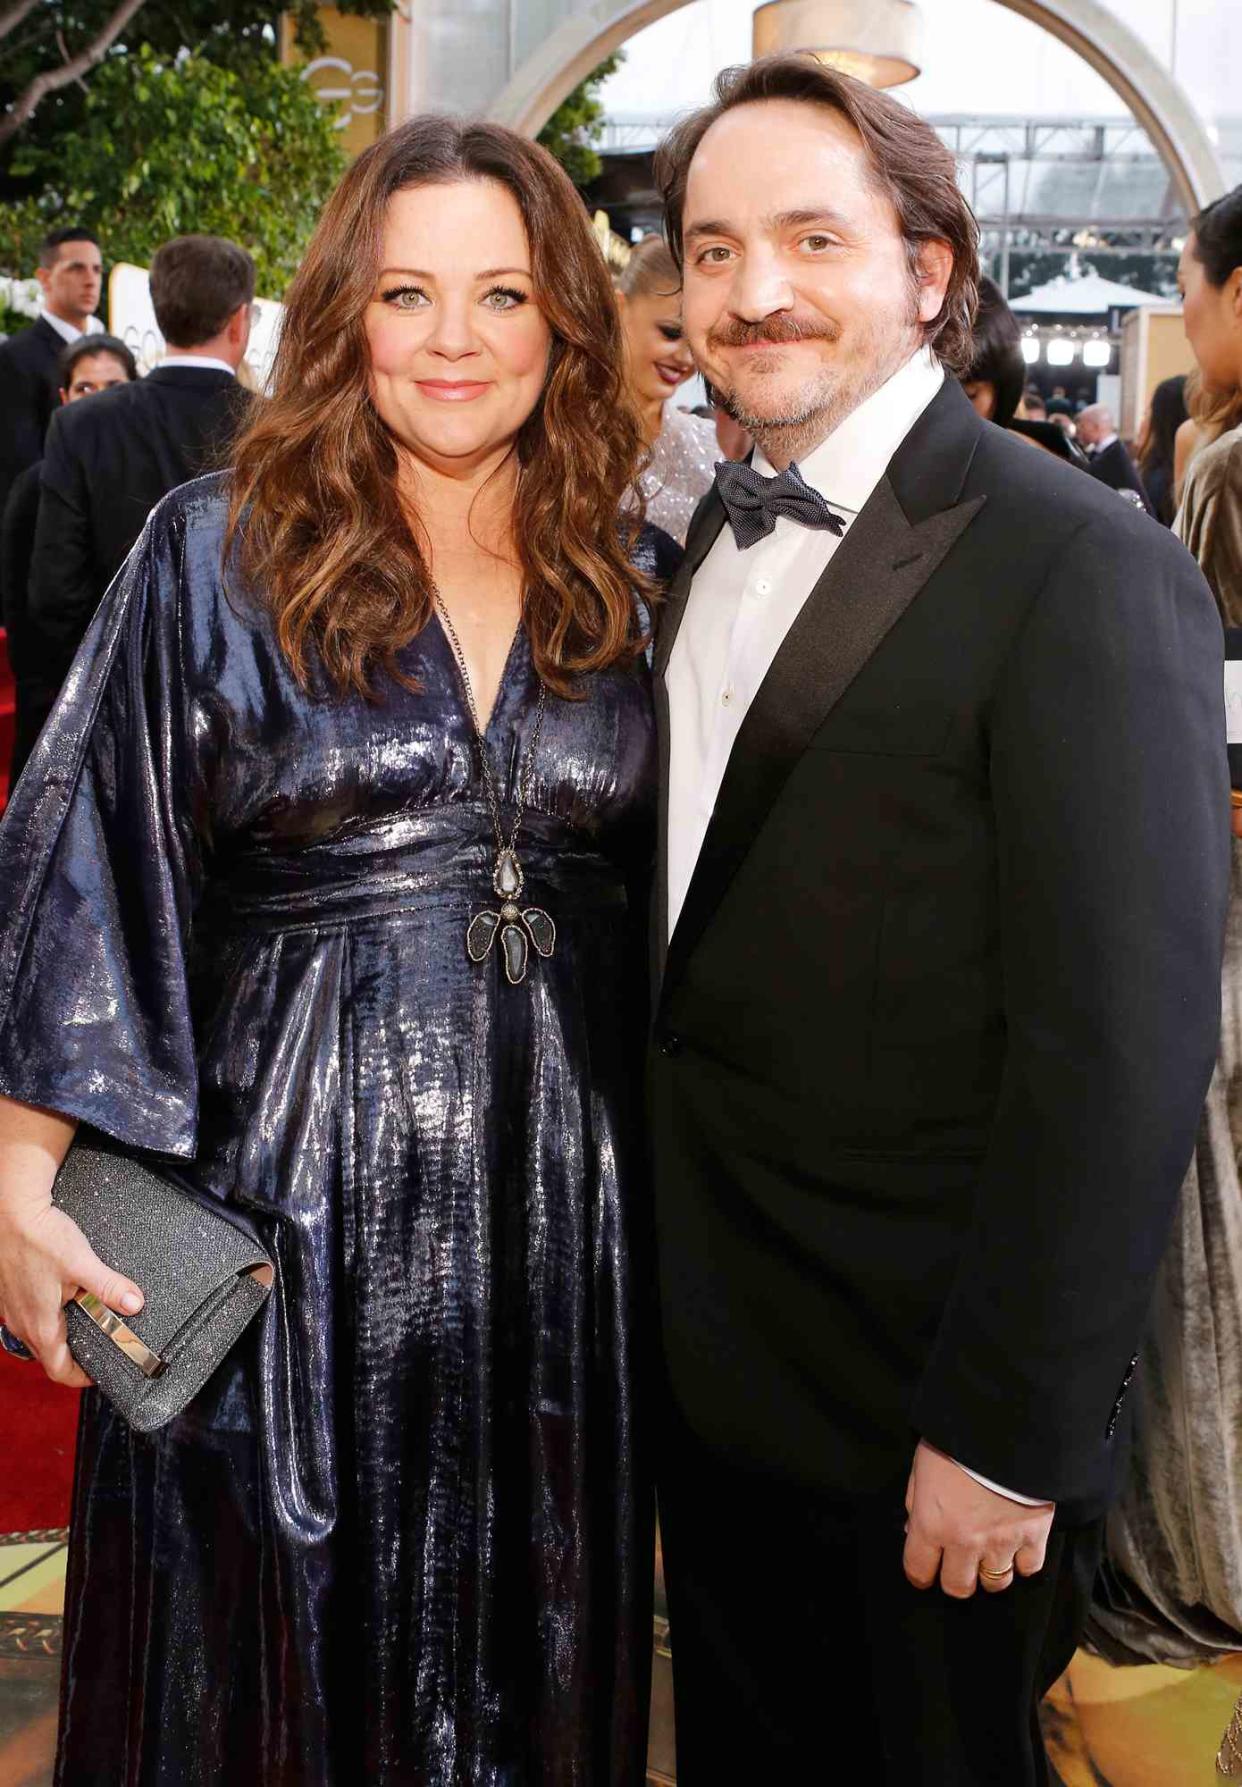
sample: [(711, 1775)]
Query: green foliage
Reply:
[(231, 33), (165, 147), (577, 124)]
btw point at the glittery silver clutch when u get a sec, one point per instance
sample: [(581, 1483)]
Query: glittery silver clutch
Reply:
[(204, 1279)]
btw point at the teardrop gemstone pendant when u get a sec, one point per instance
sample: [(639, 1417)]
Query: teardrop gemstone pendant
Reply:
[(507, 878)]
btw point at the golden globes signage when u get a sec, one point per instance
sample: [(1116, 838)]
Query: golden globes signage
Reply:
[(350, 75)]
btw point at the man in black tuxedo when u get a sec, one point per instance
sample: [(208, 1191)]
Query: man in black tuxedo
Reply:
[(70, 275), (941, 900), (108, 462), (1108, 457), (92, 364)]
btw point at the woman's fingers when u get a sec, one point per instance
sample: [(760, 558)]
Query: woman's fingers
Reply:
[(83, 1270), (56, 1262)]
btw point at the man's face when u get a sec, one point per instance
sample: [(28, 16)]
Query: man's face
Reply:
[(71, 285), (800, 298)]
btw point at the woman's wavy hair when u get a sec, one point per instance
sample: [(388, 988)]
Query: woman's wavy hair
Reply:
[(325, 540), (910, 164)]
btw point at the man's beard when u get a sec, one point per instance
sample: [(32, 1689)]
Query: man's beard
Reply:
[(793, 426)]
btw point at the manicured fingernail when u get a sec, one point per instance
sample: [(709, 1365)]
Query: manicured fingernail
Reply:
[(131, 1302)]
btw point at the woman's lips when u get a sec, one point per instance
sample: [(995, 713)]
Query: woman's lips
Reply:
[(670, 375), (451, 390)]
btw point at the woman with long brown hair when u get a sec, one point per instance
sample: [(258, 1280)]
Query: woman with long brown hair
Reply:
[(321, 881)]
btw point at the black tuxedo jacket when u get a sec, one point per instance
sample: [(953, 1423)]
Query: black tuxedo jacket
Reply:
[(17, 535), (936, 1022), (109, 460), (29, 397), (1113, 466)]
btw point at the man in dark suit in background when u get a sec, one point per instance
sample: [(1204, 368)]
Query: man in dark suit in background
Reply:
[(89, 366), (108, 462), (1107, 454), (70, 275), (943, 879)]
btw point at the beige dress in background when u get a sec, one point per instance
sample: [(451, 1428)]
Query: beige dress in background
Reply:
[(1170, 1588)]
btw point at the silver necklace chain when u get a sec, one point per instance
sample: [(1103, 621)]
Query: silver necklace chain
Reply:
[(518, 928), (528, 762)]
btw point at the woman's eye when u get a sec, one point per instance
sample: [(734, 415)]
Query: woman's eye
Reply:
[(669, 332), (502, 297), (406, 297)]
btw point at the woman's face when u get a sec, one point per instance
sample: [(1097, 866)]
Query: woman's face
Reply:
[(1212, 316), (458, 342), (657, 359), (982, 394)]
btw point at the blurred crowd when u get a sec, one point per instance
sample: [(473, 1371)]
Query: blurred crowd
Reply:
[(78, 479)]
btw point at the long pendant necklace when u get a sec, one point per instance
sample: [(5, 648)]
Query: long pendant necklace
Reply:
[(518, 927)]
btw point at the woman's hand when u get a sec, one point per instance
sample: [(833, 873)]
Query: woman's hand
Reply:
[(45, 1259)]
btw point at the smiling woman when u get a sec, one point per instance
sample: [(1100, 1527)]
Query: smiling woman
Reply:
[(352, 937), (657, 361), (337, 472)]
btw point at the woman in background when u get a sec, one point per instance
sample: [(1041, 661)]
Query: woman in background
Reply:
[(683, 447), (1211, 414), (1209, 519), (996, 376), (1170, 1589), (1157, 445)]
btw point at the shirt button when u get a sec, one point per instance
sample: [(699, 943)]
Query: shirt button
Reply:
[(726, 698), (763, 586)]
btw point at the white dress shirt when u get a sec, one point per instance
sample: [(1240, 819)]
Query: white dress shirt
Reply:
[(741, 606), (68, 332), (204, 363)]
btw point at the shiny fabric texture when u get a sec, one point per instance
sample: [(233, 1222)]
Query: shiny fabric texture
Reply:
[(683, 461), (404, 1533)]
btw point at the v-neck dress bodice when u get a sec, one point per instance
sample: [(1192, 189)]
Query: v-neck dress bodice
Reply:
[(403, 1535)]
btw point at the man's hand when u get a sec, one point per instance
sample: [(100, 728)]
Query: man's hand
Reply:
[(966, 1534)]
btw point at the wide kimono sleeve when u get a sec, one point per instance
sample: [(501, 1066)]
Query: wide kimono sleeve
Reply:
[(100, 868)]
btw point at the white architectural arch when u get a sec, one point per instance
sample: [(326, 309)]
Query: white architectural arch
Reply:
[(579, 37)]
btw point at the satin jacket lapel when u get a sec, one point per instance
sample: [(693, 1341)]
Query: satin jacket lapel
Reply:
[(705, 525), (888, 555)]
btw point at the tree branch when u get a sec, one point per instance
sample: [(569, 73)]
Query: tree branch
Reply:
[(53, 79), (13, 15)]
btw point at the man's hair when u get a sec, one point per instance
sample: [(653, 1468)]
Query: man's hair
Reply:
[(996, 352), (85, 346), (197, 282), (52, 243), (910, 164)]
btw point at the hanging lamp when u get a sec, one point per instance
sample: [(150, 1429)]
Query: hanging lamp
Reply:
[(877, 41)]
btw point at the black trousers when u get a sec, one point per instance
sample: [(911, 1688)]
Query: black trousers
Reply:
[(801, 1653)]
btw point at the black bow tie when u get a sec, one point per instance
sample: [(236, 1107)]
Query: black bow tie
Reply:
[(753, 502)]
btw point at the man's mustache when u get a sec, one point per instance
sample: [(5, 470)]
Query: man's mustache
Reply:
[(773, 330)]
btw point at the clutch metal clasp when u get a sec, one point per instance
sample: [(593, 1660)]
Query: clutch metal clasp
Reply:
[(120, 1334)]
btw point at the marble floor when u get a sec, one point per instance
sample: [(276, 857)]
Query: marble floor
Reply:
[(1149, 1727)]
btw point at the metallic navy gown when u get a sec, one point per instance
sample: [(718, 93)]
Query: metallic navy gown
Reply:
[(403, 1536)]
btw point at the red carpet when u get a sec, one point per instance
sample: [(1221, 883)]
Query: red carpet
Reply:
[(38, 1422)]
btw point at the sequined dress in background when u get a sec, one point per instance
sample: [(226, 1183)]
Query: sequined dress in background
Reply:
[(683, 466), (403, 1536)]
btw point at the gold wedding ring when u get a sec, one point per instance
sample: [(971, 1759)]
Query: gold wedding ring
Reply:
[(996, 1575)]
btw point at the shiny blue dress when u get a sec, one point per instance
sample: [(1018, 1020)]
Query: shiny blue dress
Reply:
[(404, 1534)]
